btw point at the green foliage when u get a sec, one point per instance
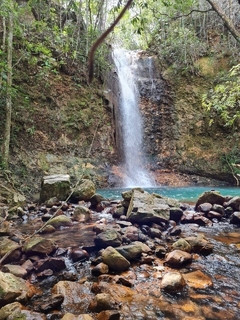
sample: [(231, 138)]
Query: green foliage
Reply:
[(231, 160), (223, 101), (180, 48)]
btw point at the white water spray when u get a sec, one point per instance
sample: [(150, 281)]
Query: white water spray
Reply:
[(135, 173)]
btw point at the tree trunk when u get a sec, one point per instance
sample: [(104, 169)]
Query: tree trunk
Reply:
[(228, 23), (8, 106)]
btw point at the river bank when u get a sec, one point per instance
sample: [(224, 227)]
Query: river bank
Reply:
[(97, 260)]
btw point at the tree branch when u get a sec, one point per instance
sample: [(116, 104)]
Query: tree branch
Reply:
[(228, 23)]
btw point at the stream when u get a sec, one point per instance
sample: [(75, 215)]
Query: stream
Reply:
[(144, 299)]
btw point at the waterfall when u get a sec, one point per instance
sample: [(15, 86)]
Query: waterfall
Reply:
[(131, 121)]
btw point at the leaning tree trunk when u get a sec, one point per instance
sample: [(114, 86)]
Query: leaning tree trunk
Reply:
[(228, 22), (8, 105)]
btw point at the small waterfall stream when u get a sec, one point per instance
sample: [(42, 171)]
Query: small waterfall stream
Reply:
[(132, 135)]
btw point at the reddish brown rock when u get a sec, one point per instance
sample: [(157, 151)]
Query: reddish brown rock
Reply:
[(178, 258), (198, 280)]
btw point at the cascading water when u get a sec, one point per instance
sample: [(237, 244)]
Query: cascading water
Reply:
[(135, 173)]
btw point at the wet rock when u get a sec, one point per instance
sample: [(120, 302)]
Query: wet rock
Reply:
[(172, 282), (204, 207), (82, 214), (100, 227), (107, 238), (176, 214), (228, 211), (99, 269), (235, 218), (76, 295), (28, 265), (212, 197), (84, 191), (182, 245), (51, 202), (127, 195), (147, 259), (7, 245), (95, 200), (234, 203), (115, 260), (214, 215), (48, 229), (55, 186), (132, 233), (188, 217), (15, 310), (54, 264), (202, 221), (78, 254), (60, 221), (120, 211), (175, 231), (200, 245), (52, 303), (178, 258), (13, 288), (103, 301), (218, 313), (108, 315), (218, 208), (146, 208), (160, 251), (131, 252), (154, 233), (38, 244), (124, 224), (124, 281), (70, 316), (16, 270), (145, 248), (198, 280)]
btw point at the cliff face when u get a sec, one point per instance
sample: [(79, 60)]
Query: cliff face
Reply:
[(176, 131)]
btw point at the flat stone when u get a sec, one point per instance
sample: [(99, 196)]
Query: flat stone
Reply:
[(198, 280)]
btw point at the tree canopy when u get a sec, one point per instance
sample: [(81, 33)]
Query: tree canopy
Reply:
[(52, 36)]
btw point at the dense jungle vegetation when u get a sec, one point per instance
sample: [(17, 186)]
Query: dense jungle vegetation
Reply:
[(40, 40)]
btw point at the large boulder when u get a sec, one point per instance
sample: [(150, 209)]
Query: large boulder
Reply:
[(146, 208), (55, 186), (16, 310), (84, 191), (13, 288), (212, 197)]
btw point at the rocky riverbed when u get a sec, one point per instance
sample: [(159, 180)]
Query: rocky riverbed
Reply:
[(144, 257)]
